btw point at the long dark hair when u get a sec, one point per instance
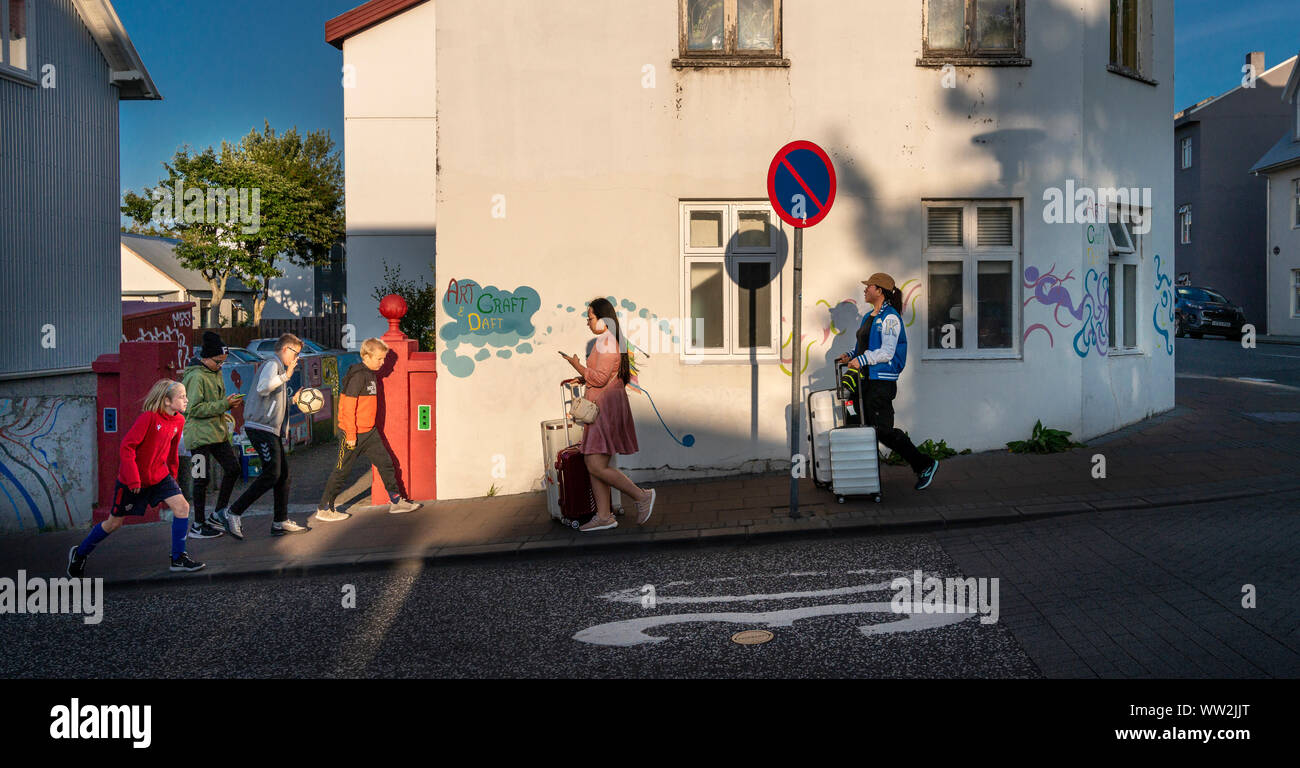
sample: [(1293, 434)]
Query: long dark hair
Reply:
[(895, 298), (603, 310)]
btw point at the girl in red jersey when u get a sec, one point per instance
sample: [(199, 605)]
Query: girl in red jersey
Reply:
[(147, 475)]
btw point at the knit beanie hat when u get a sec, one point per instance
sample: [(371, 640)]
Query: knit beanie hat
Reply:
[(212, 345)]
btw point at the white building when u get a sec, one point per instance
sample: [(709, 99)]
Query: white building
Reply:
[(582, 149), (1281, 166)]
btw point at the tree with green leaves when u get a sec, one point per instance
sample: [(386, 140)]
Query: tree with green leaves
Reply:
[(421, 305), (269, 197)]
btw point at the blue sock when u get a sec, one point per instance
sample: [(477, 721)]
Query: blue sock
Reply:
[(393, 498), (180, 527), (96, 535)]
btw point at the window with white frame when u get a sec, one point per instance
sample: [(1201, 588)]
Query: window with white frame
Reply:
[(972, 254), (1185, 224), (1295, 293), (730, 280), (1125, 255), (1295, 218), (1187, 153), (15, 22), (1131, 38)]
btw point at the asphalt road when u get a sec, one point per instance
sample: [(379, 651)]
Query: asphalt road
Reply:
[(1125, 594), (1220, 358)]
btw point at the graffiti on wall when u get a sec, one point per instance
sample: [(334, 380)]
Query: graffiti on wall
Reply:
[(1163, 315), (1092, 312), (486, 317), (175, 328), (842, 316), (46, 461)]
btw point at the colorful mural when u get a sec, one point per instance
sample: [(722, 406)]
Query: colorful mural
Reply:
[(175, 327), (1163, 315), (1092, 311), (486, 317), (1095, 333), (47, 467)]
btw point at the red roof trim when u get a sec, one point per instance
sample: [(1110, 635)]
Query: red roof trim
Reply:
[(363, 17)]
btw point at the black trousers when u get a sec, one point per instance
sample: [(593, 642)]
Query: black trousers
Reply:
[(214, 455), (275, 475), (876, 398), (370, 445)]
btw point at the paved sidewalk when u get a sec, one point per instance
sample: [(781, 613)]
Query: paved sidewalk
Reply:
[(1200, 451)]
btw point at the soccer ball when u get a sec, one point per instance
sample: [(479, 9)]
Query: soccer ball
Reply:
[(310, 400)]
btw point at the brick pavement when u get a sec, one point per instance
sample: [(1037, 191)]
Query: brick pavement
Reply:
[(1200, 451)]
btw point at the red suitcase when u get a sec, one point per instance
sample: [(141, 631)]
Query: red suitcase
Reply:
[(577, 502)]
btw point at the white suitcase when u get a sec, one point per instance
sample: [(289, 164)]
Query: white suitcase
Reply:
[(855, 462), (825, 412), (558, 434)]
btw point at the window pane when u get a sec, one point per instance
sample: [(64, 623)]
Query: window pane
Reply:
[(706, 305), (994, 227), (1130, 305), (945, 302), (17, 34), (1129, 33), (1119, 236), (706, 229), (945, 227), (995, 312), (1110, 299), (995, 26), (946, 24), (757, 25), (704, 25), (755, 304), (754, 229)]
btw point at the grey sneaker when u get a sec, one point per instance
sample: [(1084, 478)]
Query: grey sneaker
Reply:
[(331, 515), (232, 524), (403, 505), (288, 526)]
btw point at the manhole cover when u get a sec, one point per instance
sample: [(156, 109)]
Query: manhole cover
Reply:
[(752, 637)]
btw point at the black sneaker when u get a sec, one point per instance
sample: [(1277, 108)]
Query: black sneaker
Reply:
[(76, 564), (204, 531), (923, 479), (185, 563)]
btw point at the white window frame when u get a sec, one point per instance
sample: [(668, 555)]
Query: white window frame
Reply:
[(1187, 152), (5, 66), (1185, 225), (1295, 208), (728, 256), (1295, 293), (1125, 254), (970, 255)]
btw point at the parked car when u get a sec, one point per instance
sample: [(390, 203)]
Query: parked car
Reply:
[(265, 348), (237, 355), (1198, 311)]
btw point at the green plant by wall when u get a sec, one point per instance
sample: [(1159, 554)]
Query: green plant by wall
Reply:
[(1044, 440), (938, 451)]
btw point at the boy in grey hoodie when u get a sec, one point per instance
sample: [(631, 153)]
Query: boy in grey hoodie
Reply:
[(266, 423)]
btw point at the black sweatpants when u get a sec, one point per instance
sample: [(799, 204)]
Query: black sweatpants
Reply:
[(275, 475), (370, 445), (214, 455), (877, 398)]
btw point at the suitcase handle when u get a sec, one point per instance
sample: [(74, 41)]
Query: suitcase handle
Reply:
[(568, 393)]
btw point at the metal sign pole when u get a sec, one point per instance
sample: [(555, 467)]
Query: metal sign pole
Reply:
[(795, 344)]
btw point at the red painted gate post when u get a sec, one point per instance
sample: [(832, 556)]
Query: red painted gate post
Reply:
[(407, 394)]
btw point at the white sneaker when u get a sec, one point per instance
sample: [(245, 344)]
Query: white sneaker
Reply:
[(330, 515), (288, 526), (403, 505)]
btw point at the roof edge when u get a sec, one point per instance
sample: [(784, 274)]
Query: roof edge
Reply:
[(127, 70), (364, 17)]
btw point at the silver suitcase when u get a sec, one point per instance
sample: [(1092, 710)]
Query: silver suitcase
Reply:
[(825, 412), (855, 462)]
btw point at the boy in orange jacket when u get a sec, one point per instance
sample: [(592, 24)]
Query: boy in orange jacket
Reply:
[(358, 410)]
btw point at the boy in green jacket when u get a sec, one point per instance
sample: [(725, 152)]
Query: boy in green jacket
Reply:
[(206, 436)]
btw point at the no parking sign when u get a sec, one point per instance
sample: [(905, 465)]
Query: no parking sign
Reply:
[(801, 184), (801, 188)]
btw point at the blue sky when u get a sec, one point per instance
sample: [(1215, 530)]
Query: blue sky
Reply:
[(224, 67)]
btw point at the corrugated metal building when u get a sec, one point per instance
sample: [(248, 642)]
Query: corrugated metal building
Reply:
[(65, 65)]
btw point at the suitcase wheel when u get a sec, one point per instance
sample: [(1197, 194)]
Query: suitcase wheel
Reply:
[(876, 498), (841, 499)]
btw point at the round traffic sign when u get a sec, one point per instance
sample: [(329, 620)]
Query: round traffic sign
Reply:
[(801, 184)]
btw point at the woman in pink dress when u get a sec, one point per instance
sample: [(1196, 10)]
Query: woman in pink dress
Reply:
[(606, 375)]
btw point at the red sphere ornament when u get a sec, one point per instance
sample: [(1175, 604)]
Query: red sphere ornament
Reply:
[(393, 307)]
